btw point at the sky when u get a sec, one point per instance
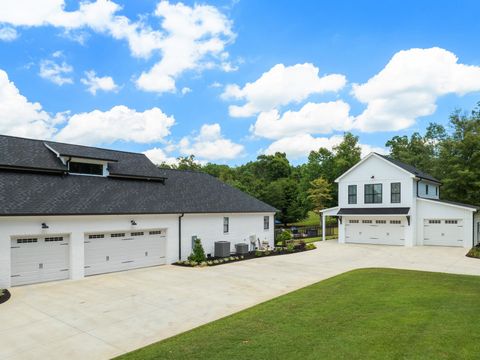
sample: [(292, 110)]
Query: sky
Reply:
[(230, 80)]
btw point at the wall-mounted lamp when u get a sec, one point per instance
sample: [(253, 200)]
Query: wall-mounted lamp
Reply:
[(372, 177), (133, 222), (44, 226)]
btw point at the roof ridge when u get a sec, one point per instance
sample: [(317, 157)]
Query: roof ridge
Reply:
[(64, 143)]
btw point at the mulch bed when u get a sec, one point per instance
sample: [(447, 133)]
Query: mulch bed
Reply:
[(5, 296), (474, 252), (251, 255)]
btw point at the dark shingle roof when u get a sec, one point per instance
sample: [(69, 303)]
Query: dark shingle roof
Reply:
[(411, 169), (34, 193), (374, 211), (26, 193)]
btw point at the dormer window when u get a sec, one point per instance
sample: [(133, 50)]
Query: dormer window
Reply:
[(85, 168)]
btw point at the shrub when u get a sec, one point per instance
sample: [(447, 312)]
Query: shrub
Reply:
[(310, 246), (232, 258), (258, 253), (300, 245), (210, 263), (266, 252), (474, 252), (193, 263), (198, 254), (290, 247), (282, 237), (216, 262), (242, 257), (203, 264)]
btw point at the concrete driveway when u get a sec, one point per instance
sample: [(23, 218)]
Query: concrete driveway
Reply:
[(103, 316)]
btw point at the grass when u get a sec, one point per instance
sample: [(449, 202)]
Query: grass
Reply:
[(313, 219), (363, 314), (319, 238)]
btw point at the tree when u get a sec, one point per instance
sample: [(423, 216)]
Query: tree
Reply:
[(283, 194), (188, 163), (320, 193)]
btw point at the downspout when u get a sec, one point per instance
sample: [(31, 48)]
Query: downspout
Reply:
[(180, 237), (473, 230)]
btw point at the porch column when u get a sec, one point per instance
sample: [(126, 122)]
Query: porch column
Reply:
[(323, 226)]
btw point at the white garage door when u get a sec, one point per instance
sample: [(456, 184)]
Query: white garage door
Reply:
[(39, 259), (375, 231), (117, 251), (443, 232)]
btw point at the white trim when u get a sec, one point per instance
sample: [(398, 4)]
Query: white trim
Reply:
[(374, 215), (448, 204), (330, 209), (379, 157)]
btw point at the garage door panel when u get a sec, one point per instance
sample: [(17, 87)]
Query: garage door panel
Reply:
[(39, 259), (117, 253), (375, 231), (443, 232)]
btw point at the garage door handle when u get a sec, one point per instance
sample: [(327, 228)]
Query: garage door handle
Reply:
[(127, 239), (15, 275), (64, 244), (125, 262), (87, 242), (64, 270), (15, 247), (87, 267)]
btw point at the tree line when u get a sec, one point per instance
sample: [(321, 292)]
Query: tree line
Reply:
[(450, 153)]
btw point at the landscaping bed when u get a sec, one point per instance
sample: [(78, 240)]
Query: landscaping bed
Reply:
[(214, 261), (4, 295), (474, 252)]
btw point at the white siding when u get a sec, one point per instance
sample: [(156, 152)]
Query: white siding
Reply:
[(209, 227), (433, 190)]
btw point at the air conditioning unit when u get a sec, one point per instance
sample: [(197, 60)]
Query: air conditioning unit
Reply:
[(222, 248)]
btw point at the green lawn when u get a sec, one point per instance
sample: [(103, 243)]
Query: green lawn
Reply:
[(363, 314), (312, 219)]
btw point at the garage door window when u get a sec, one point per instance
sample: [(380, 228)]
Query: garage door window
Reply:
[(366, 221), (55, 238), (373, 193), (434, 221), (451, 221), (27, 241), (137, 233), (353, 221), (381, 221), (96, 236), (395, 221), (117, 235)]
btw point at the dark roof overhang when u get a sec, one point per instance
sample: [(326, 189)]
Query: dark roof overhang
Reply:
[(374, 211)]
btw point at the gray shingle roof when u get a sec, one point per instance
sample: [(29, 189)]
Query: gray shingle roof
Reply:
[(411, 169), (33, 193)]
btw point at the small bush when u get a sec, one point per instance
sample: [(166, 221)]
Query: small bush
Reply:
[(474, 252), (198, 254), (242, 257), (203, 264), (266, 252), (300, 245), (216, 262), (282, 237), (193, 263), (258, 253), (210, 263), (290, 247), (310, 246), (232, 258)]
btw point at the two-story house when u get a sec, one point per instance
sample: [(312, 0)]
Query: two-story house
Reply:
[(385, 201), (69, 211)]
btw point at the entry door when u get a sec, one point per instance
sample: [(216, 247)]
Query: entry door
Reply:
[(36, 259), (118, 251), (443, 232)]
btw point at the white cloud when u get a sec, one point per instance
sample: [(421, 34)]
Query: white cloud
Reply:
[(19, 116), (159, 156), (95, 83), (281, 85), (300, 146), (313, 118), (118, 123), (189, 38), (409, 86), (8, 33), (185, 90), (192, 38), (209, 144), (56, 73)]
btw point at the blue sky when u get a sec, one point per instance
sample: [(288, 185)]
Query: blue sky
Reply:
[(169, 78)]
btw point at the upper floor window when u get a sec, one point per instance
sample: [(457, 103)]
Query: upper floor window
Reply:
[(373, 193), (436, 190), (266, 222), (352, 194), (85, 168), (426, 189), (395, 196), (226, 225)]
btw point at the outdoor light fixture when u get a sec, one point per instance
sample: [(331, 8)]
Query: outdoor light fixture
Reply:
[(133, 222), (372, 177), (44, 226)]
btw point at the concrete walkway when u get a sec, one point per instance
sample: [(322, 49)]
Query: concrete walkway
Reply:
[(103, 316)]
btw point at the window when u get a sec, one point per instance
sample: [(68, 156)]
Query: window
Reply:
[(96, 236), (373, 193), (266, 222), (366, 221), (137, 233), (352, 194), (226, 225), (117, 235), (54, 238), (436, 190), (451, 221), (434, 221), (155, 232), (26, 241), (84, 168), (395, 192), (380, 221), (353, 221), (395, 221), (426, 189)]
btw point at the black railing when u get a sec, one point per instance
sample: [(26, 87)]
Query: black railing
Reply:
[(305, 232)]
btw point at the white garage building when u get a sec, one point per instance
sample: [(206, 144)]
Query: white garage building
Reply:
[(70, 211), (385, 201)]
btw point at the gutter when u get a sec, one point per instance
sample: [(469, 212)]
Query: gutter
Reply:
[(180, 236)]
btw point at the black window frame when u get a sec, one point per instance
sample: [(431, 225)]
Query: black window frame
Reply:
[(266, 222), (374, 196), (226, 224), (396, 197), (85, 168), (352, 197)]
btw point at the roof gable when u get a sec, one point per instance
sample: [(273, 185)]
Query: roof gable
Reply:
[(411, 169)]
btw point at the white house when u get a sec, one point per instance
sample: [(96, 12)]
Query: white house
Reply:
[(385, 201), (69, 211)]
